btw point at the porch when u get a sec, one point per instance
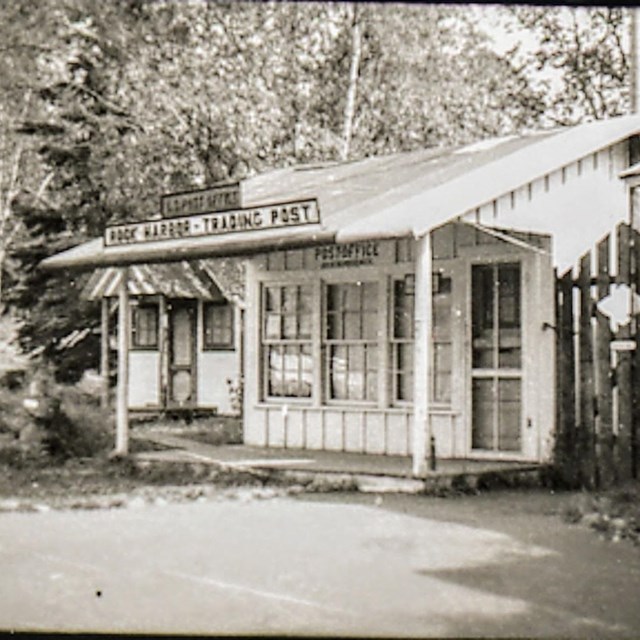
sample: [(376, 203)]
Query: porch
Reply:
[(370, 473)]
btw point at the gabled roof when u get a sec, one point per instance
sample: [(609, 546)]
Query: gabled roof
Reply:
[(390, 196)]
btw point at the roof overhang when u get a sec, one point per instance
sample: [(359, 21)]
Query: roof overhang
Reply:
[(95, 254), (412, 209)]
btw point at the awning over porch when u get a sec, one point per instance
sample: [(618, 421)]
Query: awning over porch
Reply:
[(195, 279)]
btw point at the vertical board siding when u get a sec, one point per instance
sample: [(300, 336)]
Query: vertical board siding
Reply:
[(333, 439), (255, 430), (604, 402), (624, 377), (314, 429), (374, 426), (598, 407), (603, 268), (397, 435), (346, 429), (566, 378), (587, 387), (353, 440), (294, 436)]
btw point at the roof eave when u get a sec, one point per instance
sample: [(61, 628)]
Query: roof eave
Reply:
[(94, 254)]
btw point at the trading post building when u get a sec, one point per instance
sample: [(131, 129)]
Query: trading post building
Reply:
[(398, 302)]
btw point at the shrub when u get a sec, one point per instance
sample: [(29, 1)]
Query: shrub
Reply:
[(13, 417), (61, 420), (18, 457), (75, 425)]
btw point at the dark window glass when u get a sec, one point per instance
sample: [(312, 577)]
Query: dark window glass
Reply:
[(218, 325), (144, 326)]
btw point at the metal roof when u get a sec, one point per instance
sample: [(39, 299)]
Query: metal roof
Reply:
[(390, 196), (194, 279)]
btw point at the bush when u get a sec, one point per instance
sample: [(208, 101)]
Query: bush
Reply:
[(13, 417), (75, 426), (60, 420), (18, 457)]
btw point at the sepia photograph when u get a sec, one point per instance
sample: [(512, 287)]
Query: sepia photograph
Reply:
[(319, 319)]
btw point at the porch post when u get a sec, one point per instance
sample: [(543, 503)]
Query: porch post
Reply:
[(104, 353), (422, 354), (122, 406), (163, 346)]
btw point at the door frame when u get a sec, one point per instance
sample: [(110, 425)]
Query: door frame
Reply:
[(495, 374), (192, 307)]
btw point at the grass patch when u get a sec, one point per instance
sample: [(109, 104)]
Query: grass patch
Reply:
[(216, 431), (615, 513)]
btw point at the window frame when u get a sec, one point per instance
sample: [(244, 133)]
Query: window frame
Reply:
[(213, 345), (300, 341), (441, 275), (136, 308), (395, 342), (495, 373), (328, 343)]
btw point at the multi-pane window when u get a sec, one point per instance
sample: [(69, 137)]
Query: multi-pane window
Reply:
[(351, 335), (402, 338), (144, 326), (496, 357), (440, 382), (496, 316), (286, 339), (218, 325)]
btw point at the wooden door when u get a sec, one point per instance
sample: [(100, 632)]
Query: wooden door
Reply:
[(182, 354)]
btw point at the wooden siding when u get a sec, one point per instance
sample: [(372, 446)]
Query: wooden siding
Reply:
[(351, 430)]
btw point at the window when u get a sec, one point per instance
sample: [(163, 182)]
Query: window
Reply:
[(440, 382), (402, 338), (144, 326), (496, 316), (218, 325), (286, 341), (351, 335), (496, 357)]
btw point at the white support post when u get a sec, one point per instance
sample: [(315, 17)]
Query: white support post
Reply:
[(634, 57), (104, 354), (163, 348), (122, 406), (422, 355)]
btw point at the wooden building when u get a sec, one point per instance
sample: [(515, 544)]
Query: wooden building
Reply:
[(185, 334), (399, 302)]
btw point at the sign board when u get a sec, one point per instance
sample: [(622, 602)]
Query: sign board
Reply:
[(623, 345), (352, 254), (224, 197), (272, 216)]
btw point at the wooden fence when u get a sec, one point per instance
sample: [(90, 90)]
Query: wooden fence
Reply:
[(598, 368)]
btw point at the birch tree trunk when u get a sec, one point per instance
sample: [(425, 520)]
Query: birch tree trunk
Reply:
[(352, 89)]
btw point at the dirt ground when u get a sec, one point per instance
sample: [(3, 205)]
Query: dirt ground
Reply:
[(501, 564)]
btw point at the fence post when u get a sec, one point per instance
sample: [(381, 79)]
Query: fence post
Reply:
[(623, 439), (604, 403), (586, 440), (565, 451)]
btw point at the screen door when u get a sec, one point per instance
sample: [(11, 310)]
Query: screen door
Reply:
[(182, 353)]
